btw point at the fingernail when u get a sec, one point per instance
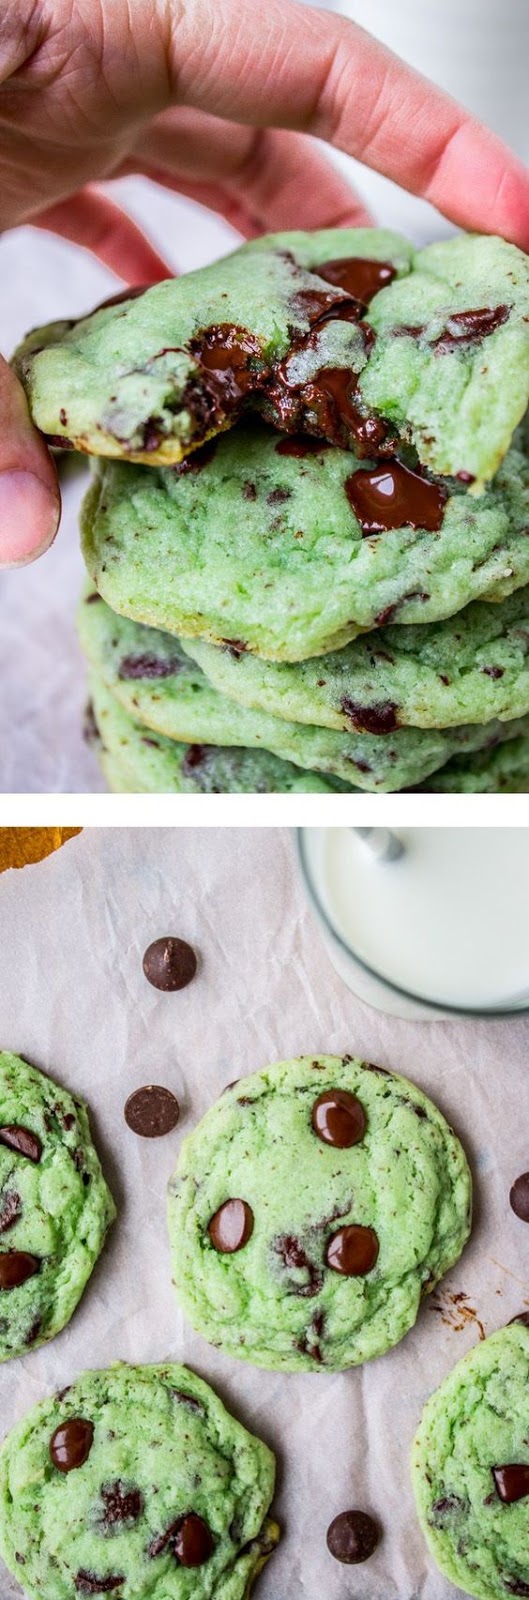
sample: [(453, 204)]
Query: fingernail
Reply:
[(29, 518)]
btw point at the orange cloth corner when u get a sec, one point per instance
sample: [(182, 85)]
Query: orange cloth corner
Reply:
[(19, 847)]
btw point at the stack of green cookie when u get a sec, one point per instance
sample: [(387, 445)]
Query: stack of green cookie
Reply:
[(313, 483)]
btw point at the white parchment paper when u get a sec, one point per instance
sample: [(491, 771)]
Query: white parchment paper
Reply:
[(74, 1000)]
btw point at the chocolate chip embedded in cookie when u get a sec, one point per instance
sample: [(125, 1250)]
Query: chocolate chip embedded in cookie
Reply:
[(144, 1477), (300, 1236)]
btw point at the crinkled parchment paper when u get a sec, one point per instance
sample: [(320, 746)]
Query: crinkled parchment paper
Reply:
[(73, 999)]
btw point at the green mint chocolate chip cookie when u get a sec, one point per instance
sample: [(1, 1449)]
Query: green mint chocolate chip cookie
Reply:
[(157, 684), (310, 1210), (504, 769), (472, 667), (137, 760), (55, 1207), (470, 1469), (349, 334), (152, 376), (271, 552), (135, 1482)]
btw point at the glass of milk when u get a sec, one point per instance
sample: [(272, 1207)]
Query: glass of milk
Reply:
[(438, 929)]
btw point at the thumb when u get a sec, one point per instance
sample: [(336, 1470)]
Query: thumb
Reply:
[(30, 504)]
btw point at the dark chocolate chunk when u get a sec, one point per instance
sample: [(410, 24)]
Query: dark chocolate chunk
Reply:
[(89, 1583), (71, 1444), (121, 1503), (22, 1141), (10, 1209), (169, 963), (295, 1258), (352, 1537), (332, 397), (447, 1506), (16, 1266), (339, 1118), (149, 666), (523, 1317), (233, 360), (493, 672), (359, 276), (152, 1111), (391, 496), (231, 1227), (511, 1482), (381, 718), (519, 1197), (189, 1540), (466, 327), (517, 1586), (353, 1251)]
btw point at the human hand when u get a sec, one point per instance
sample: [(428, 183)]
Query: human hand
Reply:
[(215, 99)]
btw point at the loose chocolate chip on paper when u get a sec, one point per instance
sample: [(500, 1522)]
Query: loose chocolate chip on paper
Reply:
[(169, 963), (152, 1111), (352, 1537), (519, 1197), (71, 1444)]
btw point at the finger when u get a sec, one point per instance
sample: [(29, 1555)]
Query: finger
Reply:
[(29, 493), (258, 180), (91, 219), (314, 71)]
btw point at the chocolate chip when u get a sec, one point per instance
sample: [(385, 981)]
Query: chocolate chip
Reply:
[(493, 672), (519, 1197), (189, 1540), (149, 666), (295, 1258), (231, 1227), (277, 497), (353, 1251), (71, 1444), (380, 718), (352, 1537), (339, 1118), (523, 1317), (89, 1583), (22, 1141), (358, 275), (448, 1505), (516, 1586), (152, 1111), (169, 963), (120, 1504), (10, 1209), (511, 1482), (466, 327), (391, 496), (16, 1266)]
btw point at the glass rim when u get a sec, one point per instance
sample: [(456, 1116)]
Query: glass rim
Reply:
[(447, 1006)]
